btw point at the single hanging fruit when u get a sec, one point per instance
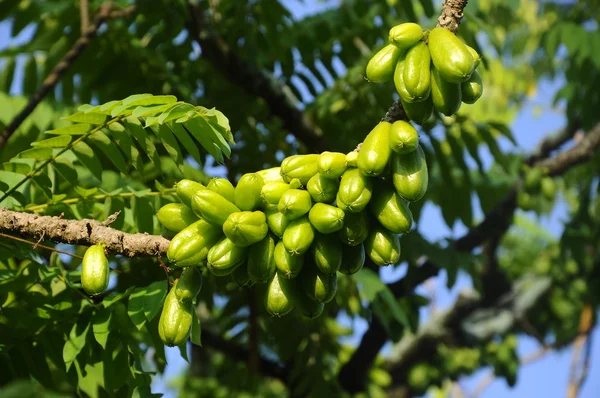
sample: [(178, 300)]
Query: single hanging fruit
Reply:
[(327, 253), (95, 270), (223, 187), (382, 246), (450, 55), (224, 257), (276, 221), (318, 286), (271, 192), (188, 285), (403, 137), (352, 159), (176, 216), (472, 89), (185, 189), (302, 167), (332, 164), (326, 218), (353, 259), (288, 265), (410, 174), (306, 306), (375, 150), (175, 320), (475, 55), (294, 203), (446, 96), (261, 260), (298, 236), (399, 82), (212, 207), (405, 35), (355, 191), (278, 300), (247, 192), (380, 68), (191, 245), (391, 210), (246, 227), (322, 189), (418, 112), (355, 229), (416, 72)]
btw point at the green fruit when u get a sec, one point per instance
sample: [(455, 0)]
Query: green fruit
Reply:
[(318, 286), (278, 300), (446, 96), (416, 72), (353, 259), (352, 159), (175, 320), (403, 137), (355, 229), (240, 276), (410, 174), (247, 192), (375, 150), (326, 218), (418, 112), (191, 245), (355, 191), (475, 55), (288, 265), (391, 210), (322, 189), (525, 201), (399, 82), (298, 236), (176, 216), (533, 179), (276, 221), (261, 260), (185, 189), (548, 188), (472, 89), (302, 167), (189, 284), (332, 164), (294, 203), (327, 252), (223, 187), (382, 246), (212, 207), (406, 35), (450, 56), (246, 227), (307, 307), (224, 257), (381, 66), (94, 270), (271, 175), (271, 192)]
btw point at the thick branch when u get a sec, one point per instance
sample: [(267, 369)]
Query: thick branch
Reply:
[(452, 13), (254, 80), (106, 12)]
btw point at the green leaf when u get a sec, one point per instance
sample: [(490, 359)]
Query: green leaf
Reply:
[(74, 129), (86, 156), (143, 139), (110, 150), (76, 341), (89, 118), (143, 214), (169, 142), (196, 334), (39, 153), (175, 112), (16, 167), (148, 99), (55, 142), (370, 283), (101, 326), (90, 378), (116, 364), (113, 298), (43, 182), (146, 302), (65, 169), (147, 111), (204, 134), (126, 144), (185, 139)]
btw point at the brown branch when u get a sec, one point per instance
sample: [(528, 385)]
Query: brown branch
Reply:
[(452, 14), (577, 376), (254, 80), (85, 15), (106, 12)]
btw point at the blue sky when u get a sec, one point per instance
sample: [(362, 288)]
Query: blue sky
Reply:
[(547, 377)]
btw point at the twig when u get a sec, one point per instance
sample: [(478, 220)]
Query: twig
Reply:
[(85, 16), (577, 376), (35, 245), (452, 13)]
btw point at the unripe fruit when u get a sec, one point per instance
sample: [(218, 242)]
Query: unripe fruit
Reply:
[(261, 260), (306, 306), (332, 164), (318, 286), (353, 259), (416, 72), (188, 285), (410, 174), (375, 150), (271, 175), (278, 300), (352, 159), (418, 112), (380, 68), (475, 55), (302, 167), (382, 246), (224, 257), (212, 207), (403, 137), (271, 192), (399, 82), (405, 35), (223, 187), (294, 203), (355, 229), (276, 221), (391, 210), (176, 216), (288, 265), (185, 189), (175, 320), (298, 236), (355, 191), (240, 276), (246, 227), (472, 89), (446, 96), (450, 55), (95, 270), (191, 245), (327, 253), (548, 188), (326, 218), (322, 189), (247, 192)]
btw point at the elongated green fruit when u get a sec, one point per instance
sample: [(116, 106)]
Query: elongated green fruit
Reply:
[(185, 189), (391, 210), (276, 221), (247, 192), (189, 284), (382, 246), (352, 159), (450, 55), (399, 82), (326, 218), (446, 96), (212, 207), (261, 260), (416, 72), (353, 259), (94, 270), (175, 320), (288, 265), (375, 150), (418, 112), (332, 164), (271, 175), (475, 55), (327, 253), (355, 191), (405, 35), (380, 68), (225, 257), (403, 137), (278, 300), (318, 286), (306, 306), (410, 174), (355, 229), (298, 236), (271, 192), (294, 203), (191, 245), (322, 189), (302, 167), (246, 227), (472, 89), (240, 276), (176, 216), (223, 187)]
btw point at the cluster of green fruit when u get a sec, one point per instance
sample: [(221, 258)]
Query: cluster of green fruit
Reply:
[(296, 226), (431, 70), (539, 191)]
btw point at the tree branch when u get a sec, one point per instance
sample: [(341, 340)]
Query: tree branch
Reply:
[(452, 14), (106, 12)]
